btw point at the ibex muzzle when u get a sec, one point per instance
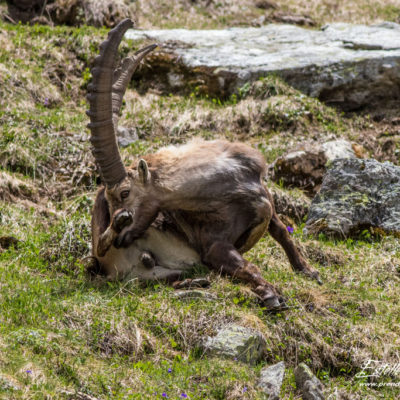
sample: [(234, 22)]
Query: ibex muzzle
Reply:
[(210, 192)]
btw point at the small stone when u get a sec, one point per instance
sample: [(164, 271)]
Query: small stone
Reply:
[(271, 379), (305, 168), (311, 391), (7, 385), (338, 149), (126, 136), (310, 386), (237, 342), (194, 294), (192, 283)]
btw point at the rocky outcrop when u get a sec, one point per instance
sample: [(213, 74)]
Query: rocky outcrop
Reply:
[(305, 168), (343, 64), (237, 342), (356, 194)]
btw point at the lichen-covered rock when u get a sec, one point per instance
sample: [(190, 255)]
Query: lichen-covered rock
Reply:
[(356, 194), (271, 379), (237, 342), (305, 168), (343, 64), (308, 383)]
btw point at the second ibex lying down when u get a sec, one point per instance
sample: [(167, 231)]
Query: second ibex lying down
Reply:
[(203, 202)]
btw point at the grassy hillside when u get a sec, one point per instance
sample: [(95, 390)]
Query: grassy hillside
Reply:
[(62, 333)]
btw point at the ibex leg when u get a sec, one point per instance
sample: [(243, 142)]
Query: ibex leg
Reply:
[(223, 257), (120, 219), (279, 232)]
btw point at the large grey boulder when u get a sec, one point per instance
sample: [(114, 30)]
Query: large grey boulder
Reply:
[(348, 65), (271, 379), (356, 194), (310, 386), (238, 342)]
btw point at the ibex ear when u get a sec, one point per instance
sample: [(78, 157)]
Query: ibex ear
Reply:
[(143, 171)]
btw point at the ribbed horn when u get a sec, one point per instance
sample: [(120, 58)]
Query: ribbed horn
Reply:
[(103, 137), (122, 77)]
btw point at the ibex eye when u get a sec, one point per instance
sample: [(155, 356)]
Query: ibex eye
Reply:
[(124, 194)]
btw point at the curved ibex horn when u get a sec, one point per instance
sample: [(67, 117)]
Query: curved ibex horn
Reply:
[(122, 77), (105, 98)]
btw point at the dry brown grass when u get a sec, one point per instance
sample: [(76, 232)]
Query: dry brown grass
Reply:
[(211, 14), (359, 11)]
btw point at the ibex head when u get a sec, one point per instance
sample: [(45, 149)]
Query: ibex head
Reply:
[(106, 92)]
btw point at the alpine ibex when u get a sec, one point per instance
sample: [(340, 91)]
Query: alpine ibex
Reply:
[(200, 202)]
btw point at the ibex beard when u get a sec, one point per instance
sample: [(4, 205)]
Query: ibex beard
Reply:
[(203, 202)]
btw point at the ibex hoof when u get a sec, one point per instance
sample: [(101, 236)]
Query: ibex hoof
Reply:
[(270, 298), (274, 304), (148, 260), (313, 274), (121, 219)]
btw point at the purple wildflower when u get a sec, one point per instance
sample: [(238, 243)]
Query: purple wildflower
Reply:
[(28, 371), (169, 370), (165, 395), (46, 102), (290, 229), (245, 389), (184, 395)]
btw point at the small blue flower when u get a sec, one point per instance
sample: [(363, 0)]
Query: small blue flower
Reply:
[(245, 389), (165, 395), (46, 101), (290, 229), (28, 371), (184, 395), (169, 370)]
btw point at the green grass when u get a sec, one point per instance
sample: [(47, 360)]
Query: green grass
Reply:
[(61, 332), (117, 340)]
